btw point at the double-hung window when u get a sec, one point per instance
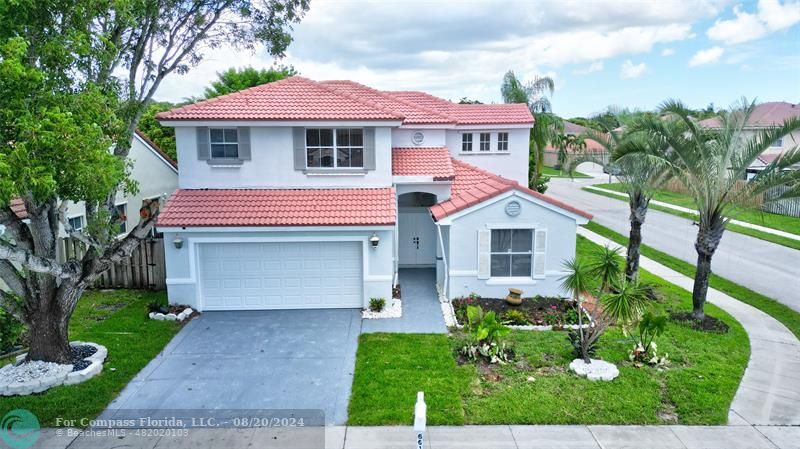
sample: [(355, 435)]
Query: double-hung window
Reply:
[(334, 148), (511, 252), (76, 223), (502, 141), (224, 143), (466, 142), (486, 139)]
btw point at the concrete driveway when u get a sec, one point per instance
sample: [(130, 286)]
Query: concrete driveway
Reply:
[(280, 359)]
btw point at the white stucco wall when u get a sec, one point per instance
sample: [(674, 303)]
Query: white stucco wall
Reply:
[(154, 177), (272, 164), (401, 137), (511, 164), (462, 256), (182, 266)]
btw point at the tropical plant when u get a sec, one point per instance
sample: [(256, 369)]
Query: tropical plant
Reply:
[(566, 144), (516, 317), (485, 332), (638, 176), (626, 303), (576, 281), (234, 79), (644, 348), (377, 304), (712, 164), (76, 78), (606, 265), (546, 124)]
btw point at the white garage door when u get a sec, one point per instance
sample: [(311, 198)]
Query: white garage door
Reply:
[(292, 275)]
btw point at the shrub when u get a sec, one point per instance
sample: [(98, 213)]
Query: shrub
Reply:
[(644, 349), (517, 317), (10, 331), (157, 305), (552, 317), (485, 332), (377, 304)]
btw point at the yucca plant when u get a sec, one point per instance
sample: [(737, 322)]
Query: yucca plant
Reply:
[(712, 165), (606, 264), (626, 304), (576, 282)]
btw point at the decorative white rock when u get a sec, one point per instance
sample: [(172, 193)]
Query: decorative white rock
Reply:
[(36, 377), (393, 310), (171, 317), (597, 370)]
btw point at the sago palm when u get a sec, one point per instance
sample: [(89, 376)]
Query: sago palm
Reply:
[(712, 165)]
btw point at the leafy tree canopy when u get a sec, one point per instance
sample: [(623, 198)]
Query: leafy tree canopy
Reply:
[(233, 79), (163, 136)]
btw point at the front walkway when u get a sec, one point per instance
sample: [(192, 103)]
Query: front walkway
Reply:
[(769, 393), (422, 313)]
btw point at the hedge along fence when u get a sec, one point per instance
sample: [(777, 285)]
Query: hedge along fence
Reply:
[(145, 269)]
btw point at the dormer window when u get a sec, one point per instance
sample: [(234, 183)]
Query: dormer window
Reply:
[(224, 143), (334, 148)]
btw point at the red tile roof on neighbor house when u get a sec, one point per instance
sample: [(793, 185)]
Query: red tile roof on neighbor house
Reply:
[(764, 115), (18, 207), (473, 185), (430, 161), (284, 207), (298, 98)]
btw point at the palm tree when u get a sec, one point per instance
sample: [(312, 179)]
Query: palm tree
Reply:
[(546, 125), (576, 281), (567, 143), (639, 176), (712, 164), (626, 304), (605, 265)]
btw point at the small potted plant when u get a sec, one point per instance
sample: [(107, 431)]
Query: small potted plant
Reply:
[(514, 297)]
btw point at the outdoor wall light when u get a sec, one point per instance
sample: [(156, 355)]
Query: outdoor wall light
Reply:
[(178, 242), (374, 240)]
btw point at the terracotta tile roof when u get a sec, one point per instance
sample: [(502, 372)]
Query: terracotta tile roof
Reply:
[(18, 207), (768, 114), (473, 185), (294, 98), (413, 113), (298, 98), (427, 161), (273, 207), (470, 114)]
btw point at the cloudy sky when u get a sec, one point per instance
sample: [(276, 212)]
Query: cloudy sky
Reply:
[(629, 53)]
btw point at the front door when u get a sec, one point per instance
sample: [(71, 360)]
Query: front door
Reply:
[(417, 235)]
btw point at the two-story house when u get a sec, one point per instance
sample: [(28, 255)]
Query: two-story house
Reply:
[(305, 194)]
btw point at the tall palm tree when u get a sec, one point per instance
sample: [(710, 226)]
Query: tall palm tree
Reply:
[(712, 164), (639, 176), (546, 125)]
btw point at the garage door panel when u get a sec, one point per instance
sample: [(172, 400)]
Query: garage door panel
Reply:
[(281, 275)]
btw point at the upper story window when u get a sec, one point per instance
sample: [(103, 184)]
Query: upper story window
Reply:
[(76, 223), (777, 143), (224, 143), (486, 142), (466, 142), (502, 141), (511, 252), (334, 148)]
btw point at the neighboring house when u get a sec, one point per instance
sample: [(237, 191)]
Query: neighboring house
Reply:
[(155, 172), (767, 115), (305, 194), (574, 129)]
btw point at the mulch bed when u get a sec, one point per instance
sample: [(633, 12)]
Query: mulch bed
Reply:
[(538, 310), (708, 324)]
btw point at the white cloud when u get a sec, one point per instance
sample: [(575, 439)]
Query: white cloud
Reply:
[(596, 66), (667, 52), (629, 70), (707, 56), (770, 16)]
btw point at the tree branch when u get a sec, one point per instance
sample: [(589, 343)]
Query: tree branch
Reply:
[(72, 232), (16, 228), (13, 278), (69, 270)]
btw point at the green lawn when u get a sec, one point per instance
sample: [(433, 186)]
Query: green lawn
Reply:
[(555, 173), (697, 389), (754, 216), (117, 320), (783, 313)]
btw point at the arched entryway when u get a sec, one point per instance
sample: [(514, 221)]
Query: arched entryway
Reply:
[(416, 231)]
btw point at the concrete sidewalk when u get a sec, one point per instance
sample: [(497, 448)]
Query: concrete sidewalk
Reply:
[(447, 437), (769, 393)]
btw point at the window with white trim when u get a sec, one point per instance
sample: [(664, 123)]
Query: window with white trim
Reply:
[(777, 143), (224, 143), (485, 142), (511, 252), (502, 141), (466, 142), (76, 223), (334, 148), (122, 214)]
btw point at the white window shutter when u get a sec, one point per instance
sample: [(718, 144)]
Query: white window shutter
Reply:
[(540, 253), (484, 254)]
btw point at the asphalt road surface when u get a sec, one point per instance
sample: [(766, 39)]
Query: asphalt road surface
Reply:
[(764, 267)]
